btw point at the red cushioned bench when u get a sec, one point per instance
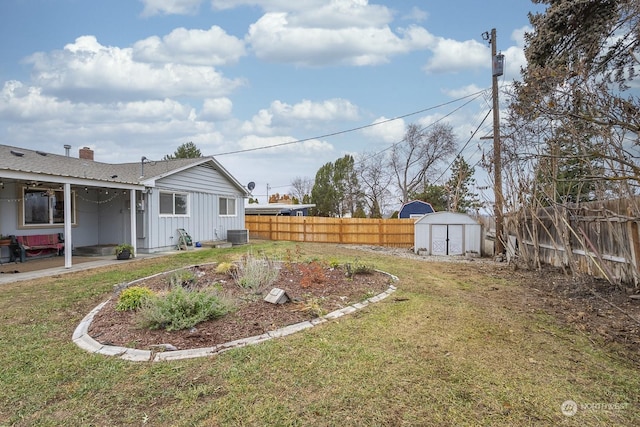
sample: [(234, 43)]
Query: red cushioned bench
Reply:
[(40, 245)]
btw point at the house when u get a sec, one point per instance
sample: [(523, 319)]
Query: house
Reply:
[(415, 209), (286, 209), (94, 204), (447, 233)]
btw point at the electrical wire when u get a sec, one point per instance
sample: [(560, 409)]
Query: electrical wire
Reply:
[(428, 126), (476, 94), (465, 146)]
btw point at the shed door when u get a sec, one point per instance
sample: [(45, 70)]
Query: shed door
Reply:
[(447, 239), (438, 239), (455, 240)]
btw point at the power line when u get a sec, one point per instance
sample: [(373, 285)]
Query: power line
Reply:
[(428, 126), (465, 146), (357, 128)]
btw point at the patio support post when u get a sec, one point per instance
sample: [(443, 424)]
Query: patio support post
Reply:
[(68, 242), (132, 213)]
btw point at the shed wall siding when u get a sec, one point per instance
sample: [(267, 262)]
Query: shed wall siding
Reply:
[(471, 231)]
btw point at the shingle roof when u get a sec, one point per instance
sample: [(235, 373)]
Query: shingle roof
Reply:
[(18, 159)]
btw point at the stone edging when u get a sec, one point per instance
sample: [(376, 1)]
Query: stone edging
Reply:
[(82, 339)]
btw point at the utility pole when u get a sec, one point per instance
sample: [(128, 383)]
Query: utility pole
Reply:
[(497, 62)]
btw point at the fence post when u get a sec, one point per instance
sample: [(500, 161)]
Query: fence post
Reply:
[(271, 228)]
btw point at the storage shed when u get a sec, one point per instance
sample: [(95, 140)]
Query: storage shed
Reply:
[(447, 233), (415, 209)]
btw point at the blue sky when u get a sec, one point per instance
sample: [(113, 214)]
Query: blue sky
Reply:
[(139, 78)]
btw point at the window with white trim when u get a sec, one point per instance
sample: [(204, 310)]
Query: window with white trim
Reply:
[(227, 206), (44, 206), (174, 204)]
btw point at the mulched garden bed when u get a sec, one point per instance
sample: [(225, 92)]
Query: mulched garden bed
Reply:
[(314, 290)]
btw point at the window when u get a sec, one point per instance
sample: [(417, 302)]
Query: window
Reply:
[(227, 206), (174, 204), (42, 206)]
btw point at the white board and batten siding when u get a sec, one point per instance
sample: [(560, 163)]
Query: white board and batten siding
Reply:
[(447, 233), (204, 186)]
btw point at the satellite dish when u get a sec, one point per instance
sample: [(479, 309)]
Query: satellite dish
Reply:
[(251, 186)]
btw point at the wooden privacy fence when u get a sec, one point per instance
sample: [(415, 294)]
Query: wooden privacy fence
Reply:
[(358, 231), (601, 239)]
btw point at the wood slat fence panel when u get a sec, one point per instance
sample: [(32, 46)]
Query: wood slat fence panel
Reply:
[(357, 231), (599, 238)]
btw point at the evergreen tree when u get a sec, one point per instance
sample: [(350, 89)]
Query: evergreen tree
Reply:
[(323, 193), (335, 191), (188, 150), (435, 195), (461, 199)]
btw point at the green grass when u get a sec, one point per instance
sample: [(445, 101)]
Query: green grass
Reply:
[(443, 350)]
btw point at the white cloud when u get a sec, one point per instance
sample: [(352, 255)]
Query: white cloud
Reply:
[(285, 144), (342, 14), (274, 38), (216, 109), (87, 70), (259, 124), (389, 132), (120, 130), (269, 5), (329, 110), (170, 7), (417, 15), (463, 91), (196, 47), (453, 56), (281, 116), (518, 34), (26, 103)]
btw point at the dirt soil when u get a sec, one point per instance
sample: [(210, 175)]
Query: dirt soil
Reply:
[(313, 291), (593, 307)]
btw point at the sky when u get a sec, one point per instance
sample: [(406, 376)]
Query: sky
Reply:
[(310, 79)]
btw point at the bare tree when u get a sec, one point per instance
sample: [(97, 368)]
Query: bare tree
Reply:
[(301, 188), (419, 153), (375, 179)]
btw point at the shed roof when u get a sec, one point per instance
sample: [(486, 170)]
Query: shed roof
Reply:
[(445, 217), (274, 208)]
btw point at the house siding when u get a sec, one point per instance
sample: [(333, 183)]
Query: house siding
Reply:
[(204, 185)]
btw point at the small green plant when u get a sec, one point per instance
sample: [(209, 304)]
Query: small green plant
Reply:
[(183, 278), (256, 273), (225, 268), (312, 305), (334, 263), (292, 257), (123, 248), (132, 298), (182, 309), (358, 268)]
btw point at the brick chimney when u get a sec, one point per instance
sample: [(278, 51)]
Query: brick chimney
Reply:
[(86, 153)]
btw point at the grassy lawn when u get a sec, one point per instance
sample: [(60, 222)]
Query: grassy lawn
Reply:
[(453, 346)]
